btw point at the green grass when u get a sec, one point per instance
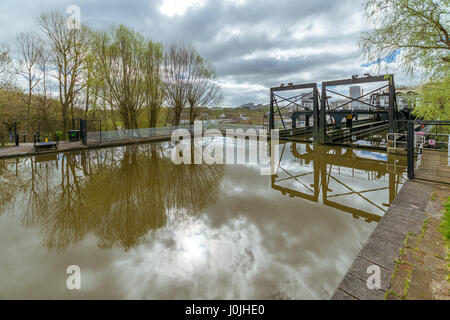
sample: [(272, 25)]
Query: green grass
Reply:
[(445, 223)]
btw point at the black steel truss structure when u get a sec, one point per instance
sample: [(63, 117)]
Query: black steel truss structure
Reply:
[(276, 98), (322, 109), (392, 105)]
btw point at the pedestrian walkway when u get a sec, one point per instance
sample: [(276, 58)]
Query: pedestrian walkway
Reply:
[(421, 272), (407, 248)]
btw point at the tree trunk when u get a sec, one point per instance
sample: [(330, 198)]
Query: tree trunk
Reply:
[(177, 118), (87, 103), (191, 114)]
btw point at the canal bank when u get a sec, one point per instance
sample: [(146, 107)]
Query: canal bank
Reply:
[(407, 247), (28, 150)]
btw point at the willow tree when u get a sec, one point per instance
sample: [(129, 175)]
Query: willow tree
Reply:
[(419, 28), (435, 101), (154, 86), (119, 56)]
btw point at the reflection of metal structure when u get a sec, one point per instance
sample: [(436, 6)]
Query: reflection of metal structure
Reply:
[(324, 160), (321, 111)]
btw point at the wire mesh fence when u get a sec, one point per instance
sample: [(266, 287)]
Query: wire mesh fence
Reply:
[(95, 134), (99, 136), (429, 151)]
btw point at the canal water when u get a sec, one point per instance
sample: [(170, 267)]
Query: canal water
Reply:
[(140, 227)]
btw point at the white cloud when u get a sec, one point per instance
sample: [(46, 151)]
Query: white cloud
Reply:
[(178, 7)]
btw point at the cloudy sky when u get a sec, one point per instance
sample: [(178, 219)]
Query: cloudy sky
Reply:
[(254, 44)]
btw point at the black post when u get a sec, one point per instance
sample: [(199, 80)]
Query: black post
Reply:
[(39, 131), (307, 117), (16, 135), (83, 131), (410, 150), (349, 119), (323, 117), (271, 115), (391, 111), (316, 123)]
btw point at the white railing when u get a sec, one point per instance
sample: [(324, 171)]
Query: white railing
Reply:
[(393, 140)]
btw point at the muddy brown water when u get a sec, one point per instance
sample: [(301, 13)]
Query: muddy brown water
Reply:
[(140, 227)]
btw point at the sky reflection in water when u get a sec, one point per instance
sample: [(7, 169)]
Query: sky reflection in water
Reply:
[(141, 227)]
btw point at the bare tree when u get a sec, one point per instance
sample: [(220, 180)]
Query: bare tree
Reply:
[(189, 79), (68, 48), (202, 90), (6, 67), (29, 49), (45, 105), (176, 78)]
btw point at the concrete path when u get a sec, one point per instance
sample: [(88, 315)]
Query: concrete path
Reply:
[(421, 271), (27, 149), (383, 249)]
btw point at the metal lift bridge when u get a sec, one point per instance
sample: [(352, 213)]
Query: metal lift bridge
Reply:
[(321, 110)]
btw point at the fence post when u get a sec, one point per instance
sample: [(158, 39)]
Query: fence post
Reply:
[(83, 131), (16, 135), (410, 150)]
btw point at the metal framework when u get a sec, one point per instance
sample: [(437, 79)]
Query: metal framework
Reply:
[(392, 106), (322, 109), (275, 99)]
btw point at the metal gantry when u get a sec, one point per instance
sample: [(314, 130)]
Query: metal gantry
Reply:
[(276, 98), (321, 107)]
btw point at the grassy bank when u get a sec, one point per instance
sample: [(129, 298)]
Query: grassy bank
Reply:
[(445, 224)]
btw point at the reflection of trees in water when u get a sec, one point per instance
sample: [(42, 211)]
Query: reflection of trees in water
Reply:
[(7, 184), (117, 194)]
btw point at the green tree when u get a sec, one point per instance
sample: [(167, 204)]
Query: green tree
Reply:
[(419, 28), (435, 101), (119, 63), (154, 86)]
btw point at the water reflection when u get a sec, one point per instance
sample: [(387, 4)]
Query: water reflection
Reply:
[(117, 194), (141, 227), (362, 183)]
